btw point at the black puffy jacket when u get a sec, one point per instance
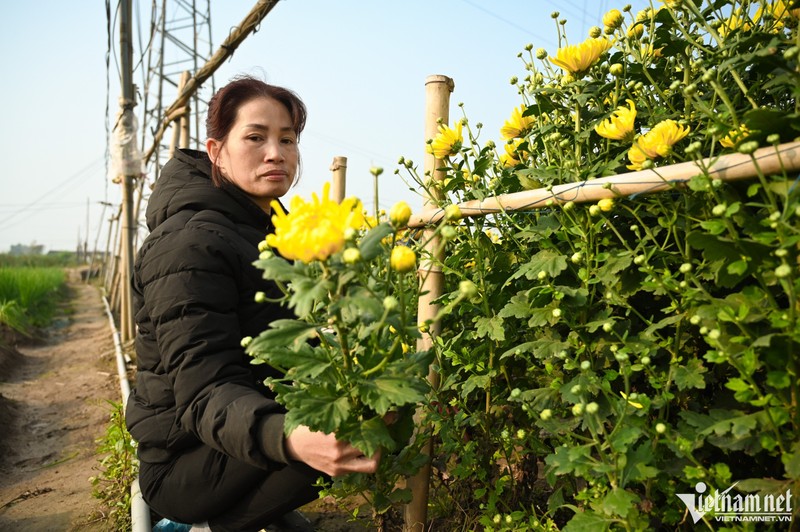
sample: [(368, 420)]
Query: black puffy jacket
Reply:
[(193, 295)]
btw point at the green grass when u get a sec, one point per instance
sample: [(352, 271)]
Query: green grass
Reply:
[(29, 296)]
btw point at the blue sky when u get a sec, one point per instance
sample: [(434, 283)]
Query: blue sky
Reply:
[(359, 65)]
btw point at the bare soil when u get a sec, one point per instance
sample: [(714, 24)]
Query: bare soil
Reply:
[(54, 406), (54, 395)]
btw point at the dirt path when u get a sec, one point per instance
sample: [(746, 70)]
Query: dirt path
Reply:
[(53, 406)]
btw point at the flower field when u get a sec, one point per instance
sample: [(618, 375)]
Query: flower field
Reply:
[(595, 362)]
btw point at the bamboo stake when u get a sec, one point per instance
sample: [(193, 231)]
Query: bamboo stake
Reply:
[(736, 166), (186, 115), (339, 169), (437, 109)]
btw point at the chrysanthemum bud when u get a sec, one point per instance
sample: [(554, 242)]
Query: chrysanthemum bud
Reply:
[(452, 212), (467, 288), (351, 255), (448, 232), (613, 19), (390, 303), (399, 214), (403, 259)]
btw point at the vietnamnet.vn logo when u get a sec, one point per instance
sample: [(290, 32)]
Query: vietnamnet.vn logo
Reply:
[(727, 506)]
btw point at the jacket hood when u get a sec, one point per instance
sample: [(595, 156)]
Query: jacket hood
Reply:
[(185, 184)]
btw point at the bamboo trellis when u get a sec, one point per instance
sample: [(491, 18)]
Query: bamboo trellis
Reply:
[(732, 167)]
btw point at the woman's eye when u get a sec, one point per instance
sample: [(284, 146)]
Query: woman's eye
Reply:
[(288, 140)]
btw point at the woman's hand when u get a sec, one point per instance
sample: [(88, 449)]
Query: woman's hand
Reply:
[(325, 453)]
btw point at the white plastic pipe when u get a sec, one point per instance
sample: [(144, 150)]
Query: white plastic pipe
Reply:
[(140, 512)]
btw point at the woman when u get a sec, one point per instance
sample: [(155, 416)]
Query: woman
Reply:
[(211, 440)]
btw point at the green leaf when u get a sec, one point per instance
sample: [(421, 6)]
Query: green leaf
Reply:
[(779, 379), (547, 261), (317, 408), (738, 267), (690, 375), (282, 333), (304, 363), (371, 244), (588, 521), (369, 436), (491, 327), (306, 293), (618, 502), (715, 226), (398, 390), (637, 467), (276, 268), (519, 306)]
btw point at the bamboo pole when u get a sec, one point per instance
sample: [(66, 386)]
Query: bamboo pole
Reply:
[(732, 167), (226, 49), (128, 102), (186, 114), (339, 169), (437, 110)]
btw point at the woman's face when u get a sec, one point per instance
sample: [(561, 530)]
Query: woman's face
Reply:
[(260, 154)]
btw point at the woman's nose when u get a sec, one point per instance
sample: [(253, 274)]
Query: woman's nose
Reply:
[(273, 151)]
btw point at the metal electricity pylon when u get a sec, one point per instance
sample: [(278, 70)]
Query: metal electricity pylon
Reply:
[(180, 42)]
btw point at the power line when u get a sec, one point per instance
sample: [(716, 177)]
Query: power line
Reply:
[(73, 177)]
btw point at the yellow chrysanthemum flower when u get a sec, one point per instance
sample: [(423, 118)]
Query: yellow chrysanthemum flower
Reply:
[(513, 155), (314, 230), (736, 21), (735, 136), (517, 126), (619, 126), (447, 142), (576, 59), (779, 11), (655, 143)]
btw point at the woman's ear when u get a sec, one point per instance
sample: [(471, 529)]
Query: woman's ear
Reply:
[(212, 148)]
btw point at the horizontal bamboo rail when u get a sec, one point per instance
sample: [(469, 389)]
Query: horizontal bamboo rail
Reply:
[(732, 167)]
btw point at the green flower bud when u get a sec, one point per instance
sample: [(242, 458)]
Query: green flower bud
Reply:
[(577, 409), (546, 414), (246, 341), (661, 428), (467, 288), (784, 270), (586, 365), (260, 297), (748, 147), (592, 408), (719, 210)]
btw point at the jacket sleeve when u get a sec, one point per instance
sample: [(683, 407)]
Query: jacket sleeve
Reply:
[(191, 296)]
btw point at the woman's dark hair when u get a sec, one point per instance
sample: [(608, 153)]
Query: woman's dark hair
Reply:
[(226, 102)]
